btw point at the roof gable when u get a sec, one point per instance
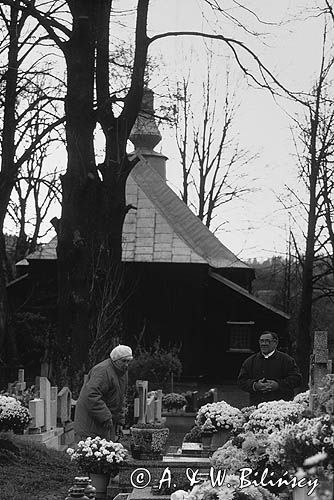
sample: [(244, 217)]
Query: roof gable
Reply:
[(164, 229)]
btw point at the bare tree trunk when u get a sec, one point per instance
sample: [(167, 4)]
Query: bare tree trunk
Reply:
[(8, 170), (304, 334), (94, 205)]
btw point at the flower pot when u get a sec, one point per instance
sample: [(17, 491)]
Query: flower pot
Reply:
[(206, 440), (100, 482), (215, 440), (219, 438)]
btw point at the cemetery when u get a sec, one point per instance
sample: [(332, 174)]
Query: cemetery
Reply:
[(280, 449)]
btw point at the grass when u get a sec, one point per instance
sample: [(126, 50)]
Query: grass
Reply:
[(33, 472)]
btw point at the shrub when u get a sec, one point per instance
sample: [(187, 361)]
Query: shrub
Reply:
[(156, 365), (173, 400)]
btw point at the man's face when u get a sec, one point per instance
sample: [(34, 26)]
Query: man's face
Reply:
[(122, 364), (267, 343)]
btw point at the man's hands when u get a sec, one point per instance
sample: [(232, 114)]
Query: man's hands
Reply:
[(264, 385)]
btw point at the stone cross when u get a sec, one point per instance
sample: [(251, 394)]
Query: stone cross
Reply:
[(142, 387), (320, 365)]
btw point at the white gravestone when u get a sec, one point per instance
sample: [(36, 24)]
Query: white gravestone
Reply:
[(45, 394), (36, 409)]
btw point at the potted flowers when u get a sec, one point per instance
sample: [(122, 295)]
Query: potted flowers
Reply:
[(218, 420), (98, 458), (273, 415), (13, 415), (148, 440), (174, 401)]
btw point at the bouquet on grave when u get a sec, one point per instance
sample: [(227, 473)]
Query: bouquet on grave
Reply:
[(98, 456), (219, 416), (273, 415), (290, 446), (229, 490), (13, 415)]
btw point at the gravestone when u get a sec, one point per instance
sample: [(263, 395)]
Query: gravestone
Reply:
[(158, 406), (36, 409), (214, 394), (19, 385), (194, 401), (64, 406), (142, 387), (45, 394), (150, 408), (320, 365), (53, 404)]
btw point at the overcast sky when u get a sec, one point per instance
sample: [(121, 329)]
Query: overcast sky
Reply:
[(259, 226)]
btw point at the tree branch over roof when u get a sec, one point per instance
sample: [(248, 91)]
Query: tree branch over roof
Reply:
[(234, 45)]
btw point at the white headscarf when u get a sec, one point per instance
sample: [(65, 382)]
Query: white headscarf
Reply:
[(121, 351)]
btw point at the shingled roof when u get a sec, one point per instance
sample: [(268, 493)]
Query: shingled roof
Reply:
[(164, 229), (161, 228)]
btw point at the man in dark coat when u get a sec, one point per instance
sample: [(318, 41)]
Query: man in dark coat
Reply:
[(269, 375), (100, 408)]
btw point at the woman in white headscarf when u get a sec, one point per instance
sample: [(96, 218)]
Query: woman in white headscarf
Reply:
[(100, 408)]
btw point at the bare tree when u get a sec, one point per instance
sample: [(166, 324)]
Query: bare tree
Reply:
[(21, 74), (213, 162), (315, 157), (93, 195)]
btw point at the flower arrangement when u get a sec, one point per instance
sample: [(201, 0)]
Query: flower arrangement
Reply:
[(23, 396), (206, 491), (173, 400), (214, 417), (273, 415), (97, 455), (13, 415), (326, 395), (229, 457), (290, 446), (302, 398)]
